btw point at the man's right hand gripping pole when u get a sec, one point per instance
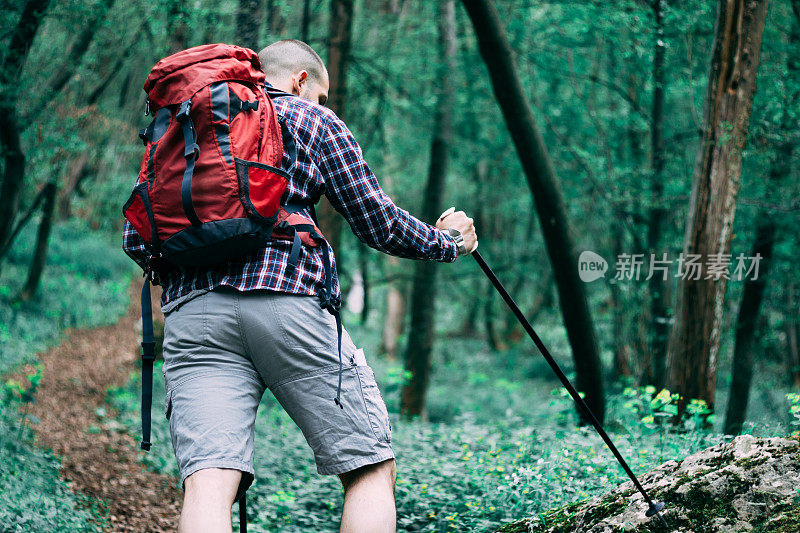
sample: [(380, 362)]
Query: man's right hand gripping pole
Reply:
[(459, 226)]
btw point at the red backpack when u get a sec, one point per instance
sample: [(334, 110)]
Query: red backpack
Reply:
[(211, 185)]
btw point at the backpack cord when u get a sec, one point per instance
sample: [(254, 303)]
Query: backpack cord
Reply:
[(332, 304)]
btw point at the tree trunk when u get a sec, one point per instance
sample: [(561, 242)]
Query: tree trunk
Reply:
[(695, 339), (305, 21), (22, 221), (657, 285), (749, 308), (341, 23), (766, 235), (177, 28), (276, 20), (363, 265), (393, 322), (423, 294), (40, 255), (498, 56), (493, 338), (792, 337), (10, 147), (75, 175), (621, 366), (122, 58), (79, 46), (248, 22)]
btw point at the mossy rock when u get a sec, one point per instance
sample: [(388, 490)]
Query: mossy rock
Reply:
[(746, 485)]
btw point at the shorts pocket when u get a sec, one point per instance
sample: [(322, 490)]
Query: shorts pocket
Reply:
[(304, 324), (374, 404)]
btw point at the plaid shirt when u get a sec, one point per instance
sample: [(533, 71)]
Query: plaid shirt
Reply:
[(329, 162)]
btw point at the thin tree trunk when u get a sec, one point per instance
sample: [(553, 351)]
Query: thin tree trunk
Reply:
[(657, 285), (637, 336), (305, 22), (496, 343), (481, 172), (21, 223), (792, 329), (694, 343), (79, 46), (363, 264), (621, 364), (766, 234), (393, 322), (423, 294), (177, 27), (749, 308), (276, 20), (248, 22), (10, 147), (340, 32), (101, 88), (76, 174), (498, 56), (40, 255)]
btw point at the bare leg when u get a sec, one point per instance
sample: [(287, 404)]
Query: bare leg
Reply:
[(208, 499), (369, 499)]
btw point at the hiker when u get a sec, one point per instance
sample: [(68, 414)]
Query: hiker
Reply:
[(235, 329)]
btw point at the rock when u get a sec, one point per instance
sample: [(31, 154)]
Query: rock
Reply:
[(746, 485)]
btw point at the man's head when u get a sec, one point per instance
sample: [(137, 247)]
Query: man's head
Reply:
[(295, 67)]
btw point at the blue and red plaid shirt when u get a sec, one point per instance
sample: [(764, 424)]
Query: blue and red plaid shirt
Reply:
[(329, 162)]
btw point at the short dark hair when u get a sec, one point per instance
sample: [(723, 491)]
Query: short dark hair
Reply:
[(283, 58)]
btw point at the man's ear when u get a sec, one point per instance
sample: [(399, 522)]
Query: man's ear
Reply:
[(298, 80)]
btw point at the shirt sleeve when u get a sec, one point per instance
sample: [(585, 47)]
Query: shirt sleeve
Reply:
[(353, 191), (133, 245)]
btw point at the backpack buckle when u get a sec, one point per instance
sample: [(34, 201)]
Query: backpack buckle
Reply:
[(183, 110), (152, 266), (328, 302)]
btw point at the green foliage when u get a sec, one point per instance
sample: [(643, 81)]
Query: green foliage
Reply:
[(33, 496), (507, 449), (794, 411), (85, 283)]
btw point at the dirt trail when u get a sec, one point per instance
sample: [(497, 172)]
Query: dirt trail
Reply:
[(104, 465)]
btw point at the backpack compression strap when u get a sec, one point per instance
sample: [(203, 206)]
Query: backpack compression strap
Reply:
[(148, 356), (190, 152)]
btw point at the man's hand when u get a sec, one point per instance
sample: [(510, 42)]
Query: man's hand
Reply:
[(459, 220)]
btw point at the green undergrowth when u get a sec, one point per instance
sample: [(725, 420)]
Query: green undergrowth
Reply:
[(32, 495), (84, 284), (493, 451)]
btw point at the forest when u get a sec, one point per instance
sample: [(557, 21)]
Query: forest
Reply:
[(633, 173)]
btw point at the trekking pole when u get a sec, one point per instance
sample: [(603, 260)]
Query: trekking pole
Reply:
[(655, 507)]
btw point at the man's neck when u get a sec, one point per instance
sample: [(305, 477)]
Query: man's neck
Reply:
[(283, 87)]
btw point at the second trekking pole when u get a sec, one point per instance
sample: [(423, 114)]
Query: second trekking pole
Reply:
[(654, 507)]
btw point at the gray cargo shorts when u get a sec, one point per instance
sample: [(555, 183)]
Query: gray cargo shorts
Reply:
[(223, 348)]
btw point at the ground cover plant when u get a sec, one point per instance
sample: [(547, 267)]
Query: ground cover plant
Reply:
[(85, 284), (627, 132), (506, 450)]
